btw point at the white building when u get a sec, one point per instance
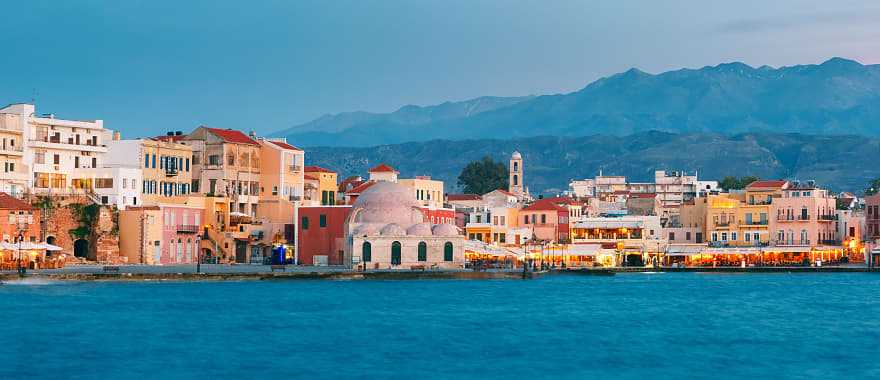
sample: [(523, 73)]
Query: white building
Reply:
[(50, 149), (117, 186)]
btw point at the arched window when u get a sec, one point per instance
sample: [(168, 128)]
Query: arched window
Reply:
[(516, 166), (447, 251), (189, 250), (423, 251), (395, 253), (367, 252), (179, 250), (515, 180)]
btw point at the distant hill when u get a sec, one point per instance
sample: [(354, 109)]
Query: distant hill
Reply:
[(838, 162), (838, 96)]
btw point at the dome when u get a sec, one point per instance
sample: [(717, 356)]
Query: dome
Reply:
[(445, 230), (421, 229), (516, 155), (365, 229), (387, 202), (392, 229)]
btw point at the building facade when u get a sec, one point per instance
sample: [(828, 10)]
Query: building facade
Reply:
[(226, 163)]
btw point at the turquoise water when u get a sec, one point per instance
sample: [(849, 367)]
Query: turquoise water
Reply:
[(637, 326)]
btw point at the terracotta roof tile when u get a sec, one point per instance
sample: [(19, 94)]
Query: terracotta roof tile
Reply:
[(317, 169), (544, 205), (768, 184), (232, 136), (361, 188), (381, 168), (8, 202), (284, 145), (463, 197)]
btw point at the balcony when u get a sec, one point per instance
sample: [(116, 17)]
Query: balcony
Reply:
[(14, 150), (754, 223), (171, 172), (828, 217), (295, 198), (725, 223), (187, 229), (791, 243), (294, 168), (793, 218)]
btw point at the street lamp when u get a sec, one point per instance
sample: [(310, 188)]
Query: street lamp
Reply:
[(21, 270)]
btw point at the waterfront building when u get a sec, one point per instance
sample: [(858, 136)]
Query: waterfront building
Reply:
[(872, 218), (281, 180), (49, 150), (161, 234), (164, 163), (744, 218), (387, 229), (547, 220), (805, 215), (226, 163), (321, 186), (321, 235), (18, 218), (113, 186), (632, 239), (496, 225)]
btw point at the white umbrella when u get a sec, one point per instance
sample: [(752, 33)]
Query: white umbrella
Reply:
[(50, 247), (7, 246)]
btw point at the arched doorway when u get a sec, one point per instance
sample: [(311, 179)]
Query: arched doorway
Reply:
[(81, 248), (447, 251), (395, 253), (423, 251), (50, 240)]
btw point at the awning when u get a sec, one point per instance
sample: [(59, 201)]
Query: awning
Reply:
[(733, 251), (685, 249), (582, 250), (788, 249)]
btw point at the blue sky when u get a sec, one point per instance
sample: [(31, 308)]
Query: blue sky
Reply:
[(151, 66)]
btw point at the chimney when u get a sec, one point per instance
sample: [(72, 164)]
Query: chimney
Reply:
[(117, 136)]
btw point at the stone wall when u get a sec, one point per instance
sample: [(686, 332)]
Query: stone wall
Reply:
[(103, 242)]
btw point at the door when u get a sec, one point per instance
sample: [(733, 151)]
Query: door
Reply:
[(395, 253)]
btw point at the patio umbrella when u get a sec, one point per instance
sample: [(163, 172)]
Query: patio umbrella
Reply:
[(50, 247)]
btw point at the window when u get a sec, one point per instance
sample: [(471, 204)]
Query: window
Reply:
[(672, 236), (733, 236), (395, 253), (146, 160), (515, 180), (423, 251), (502, 237), (447, 251), (714, 236), (154, 161), (724, 236), (526, 219), (747, 237), (305, 223), (322, 220), (94, 162), (367, 252), (274, 190), (56, 159)]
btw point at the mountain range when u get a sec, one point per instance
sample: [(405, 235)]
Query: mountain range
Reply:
[(840, 162), (839, 96)]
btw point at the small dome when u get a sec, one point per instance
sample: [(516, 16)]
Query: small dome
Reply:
[(392, 229), (445, 230), (365, 229), (421, 229), (516, 155)]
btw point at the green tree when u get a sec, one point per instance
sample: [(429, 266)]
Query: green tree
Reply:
[(873, 187), (734, 183), (483, 176)]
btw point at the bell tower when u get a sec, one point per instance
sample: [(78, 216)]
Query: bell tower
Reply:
[(515, 179)]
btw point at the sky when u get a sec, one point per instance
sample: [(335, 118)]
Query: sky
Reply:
[(146, 67)]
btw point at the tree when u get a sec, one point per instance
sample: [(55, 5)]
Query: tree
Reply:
[(483, 176), (733, 183), (873, 187)]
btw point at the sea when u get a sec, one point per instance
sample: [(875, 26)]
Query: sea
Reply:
[(627, 326)]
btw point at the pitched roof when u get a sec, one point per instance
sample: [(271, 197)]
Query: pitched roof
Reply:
[(381, 168), (502, 191), (232, 136), (544, 205), (8, 202), (768, 184), (309, 176), (463, 197), (284, 145), (317, 169), (361, 188)]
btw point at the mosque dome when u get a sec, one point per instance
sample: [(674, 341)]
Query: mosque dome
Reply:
[(365, 229), (445, 230), (421, 229), (387, 203), (392, 229)]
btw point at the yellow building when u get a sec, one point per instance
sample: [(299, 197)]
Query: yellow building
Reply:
[(282, 180), (226, 163), (324, 194), (428, 192), (165, 163), (742, 219)]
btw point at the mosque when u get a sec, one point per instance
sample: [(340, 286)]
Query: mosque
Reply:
[(387, 229)]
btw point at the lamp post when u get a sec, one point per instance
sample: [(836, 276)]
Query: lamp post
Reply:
[(21, 270)]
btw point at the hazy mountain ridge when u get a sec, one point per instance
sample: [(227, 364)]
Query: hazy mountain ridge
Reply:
[(838, 162), (838, 96)]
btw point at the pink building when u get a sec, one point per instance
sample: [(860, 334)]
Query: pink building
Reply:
[(805, 215), (180, 232), (872, 217)]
